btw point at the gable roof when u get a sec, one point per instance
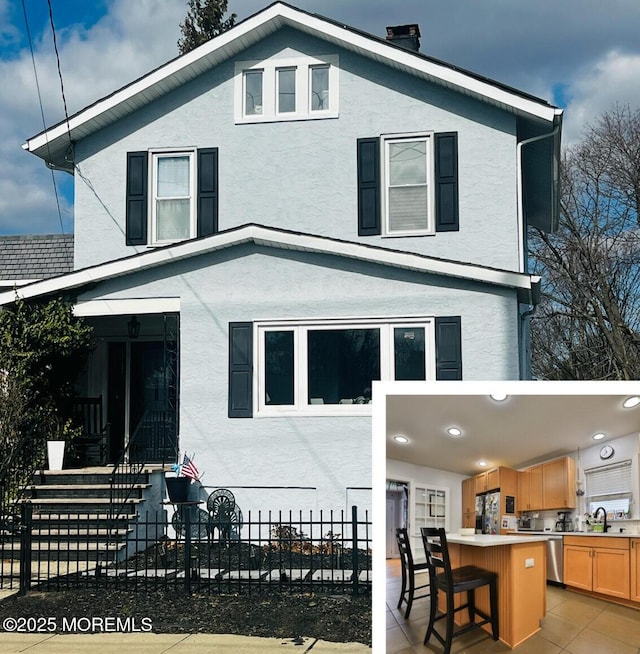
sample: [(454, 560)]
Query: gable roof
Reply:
[(526, 286), (52, 145), (34, 256)]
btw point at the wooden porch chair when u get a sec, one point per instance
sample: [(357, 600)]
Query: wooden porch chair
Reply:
[(92, 447)]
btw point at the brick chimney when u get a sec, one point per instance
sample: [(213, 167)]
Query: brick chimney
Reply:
[(406, 36)]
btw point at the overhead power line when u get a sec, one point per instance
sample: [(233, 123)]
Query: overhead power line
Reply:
[(44, 125)]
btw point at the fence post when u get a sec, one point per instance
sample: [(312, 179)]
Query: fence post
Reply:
[(25, 547), (354, 548), (186, 509)]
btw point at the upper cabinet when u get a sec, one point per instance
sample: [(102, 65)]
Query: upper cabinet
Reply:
[(558, 484), (530, 489), (549, 485), (503, 479)]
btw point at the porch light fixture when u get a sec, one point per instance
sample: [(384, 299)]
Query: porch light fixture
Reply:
[(630, 402), (133, 327), (454, 431), (401, 439), (598, 437)]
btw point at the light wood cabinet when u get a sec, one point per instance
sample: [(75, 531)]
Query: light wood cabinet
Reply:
[(469, 502), (549, 485), (495, 479), (634, 555), (598, 567), (530, 489), (559, 484)]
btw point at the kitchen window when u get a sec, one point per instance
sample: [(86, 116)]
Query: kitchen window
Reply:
[(610, 487), (329, 366), (286, 88)]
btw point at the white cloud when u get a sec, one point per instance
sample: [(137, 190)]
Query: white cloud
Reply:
[(129, 41), (597, 88)]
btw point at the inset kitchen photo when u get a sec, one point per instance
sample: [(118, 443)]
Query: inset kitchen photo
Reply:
[(510, 509)]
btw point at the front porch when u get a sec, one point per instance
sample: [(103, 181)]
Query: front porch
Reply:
[(127, 401)]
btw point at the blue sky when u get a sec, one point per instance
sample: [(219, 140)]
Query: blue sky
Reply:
[(583, 55)]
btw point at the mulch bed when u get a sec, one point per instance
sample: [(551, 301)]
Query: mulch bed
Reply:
[(280, 615)]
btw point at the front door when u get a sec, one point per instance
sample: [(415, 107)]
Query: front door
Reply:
[(152, 402)]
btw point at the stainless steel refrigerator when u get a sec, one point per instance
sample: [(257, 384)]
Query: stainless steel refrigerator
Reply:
[(488, 513)]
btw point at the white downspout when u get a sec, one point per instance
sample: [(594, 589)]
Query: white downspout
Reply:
[(525, 364), (520, 192)]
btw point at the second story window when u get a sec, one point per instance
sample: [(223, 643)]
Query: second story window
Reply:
[(172, 209), (408, 183), (286, 88)]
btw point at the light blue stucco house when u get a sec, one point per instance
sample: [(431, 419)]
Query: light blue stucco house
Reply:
[(267, 224)]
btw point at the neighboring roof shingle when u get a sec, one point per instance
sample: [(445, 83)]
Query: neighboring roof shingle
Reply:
[(35, 256)]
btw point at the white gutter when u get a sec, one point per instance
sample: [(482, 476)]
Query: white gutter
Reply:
[(519, 189)]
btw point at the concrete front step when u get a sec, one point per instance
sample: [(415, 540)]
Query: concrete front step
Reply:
[(43, 491)]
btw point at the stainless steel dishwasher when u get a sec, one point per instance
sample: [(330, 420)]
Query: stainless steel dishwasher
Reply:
[(555, 560)]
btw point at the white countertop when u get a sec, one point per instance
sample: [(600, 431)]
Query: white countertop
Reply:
[(485, 540), (557, 534)]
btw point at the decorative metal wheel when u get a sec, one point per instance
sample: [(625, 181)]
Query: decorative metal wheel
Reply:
[(221, 501), (199, 520)]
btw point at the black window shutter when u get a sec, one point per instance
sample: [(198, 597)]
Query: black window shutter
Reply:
[(136, 198), (207, 191), (369, 187), (240, 369), (448, 348), (446, 187)]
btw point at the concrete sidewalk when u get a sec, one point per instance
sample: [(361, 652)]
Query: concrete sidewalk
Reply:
[(142, 643)]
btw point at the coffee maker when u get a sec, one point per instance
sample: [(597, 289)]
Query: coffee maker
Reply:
[(564, 522)]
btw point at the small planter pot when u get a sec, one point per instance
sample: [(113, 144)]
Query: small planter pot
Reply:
[(55, 454), (178, 488)]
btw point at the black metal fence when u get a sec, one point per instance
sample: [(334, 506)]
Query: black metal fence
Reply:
[(184, 549)]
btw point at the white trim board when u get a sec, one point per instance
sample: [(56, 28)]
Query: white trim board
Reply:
[(525, 285), (229, 44)]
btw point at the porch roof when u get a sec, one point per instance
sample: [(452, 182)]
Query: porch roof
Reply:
[(526, 286)]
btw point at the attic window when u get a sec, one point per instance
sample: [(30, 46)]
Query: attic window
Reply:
[(287, 88)]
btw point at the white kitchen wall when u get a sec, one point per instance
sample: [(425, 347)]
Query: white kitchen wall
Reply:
[(421, 474)]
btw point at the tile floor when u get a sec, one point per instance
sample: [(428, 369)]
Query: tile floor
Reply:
[(574, 624)]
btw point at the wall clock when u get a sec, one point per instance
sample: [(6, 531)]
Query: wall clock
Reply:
[(606, 452)]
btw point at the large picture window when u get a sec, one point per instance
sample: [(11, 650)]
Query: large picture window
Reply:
[(331, 365)]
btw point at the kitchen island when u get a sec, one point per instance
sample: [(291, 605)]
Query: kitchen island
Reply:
[(521, 568)]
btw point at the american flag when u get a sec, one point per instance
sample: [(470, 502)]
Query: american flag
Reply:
[(189, 468)]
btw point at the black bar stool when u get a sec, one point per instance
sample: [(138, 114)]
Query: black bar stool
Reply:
[(409, 570), (464, 579)]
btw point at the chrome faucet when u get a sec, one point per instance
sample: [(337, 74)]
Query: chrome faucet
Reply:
[(604, 512)]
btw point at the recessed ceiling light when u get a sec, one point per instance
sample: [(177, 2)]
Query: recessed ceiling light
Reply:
[(598, 437), (401, 439), (499, 397), (483, 463), (454, 431), (630, 402)]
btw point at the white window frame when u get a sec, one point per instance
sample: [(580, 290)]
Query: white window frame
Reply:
[(155, 155), (386, 141), (300, 329), (270, 67)]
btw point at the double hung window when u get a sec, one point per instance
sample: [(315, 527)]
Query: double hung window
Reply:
[(610, 487), (311, 367), (173, 196), (408, 167)]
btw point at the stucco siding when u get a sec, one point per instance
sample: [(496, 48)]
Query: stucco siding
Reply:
[(301, 175), (250, 283)]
